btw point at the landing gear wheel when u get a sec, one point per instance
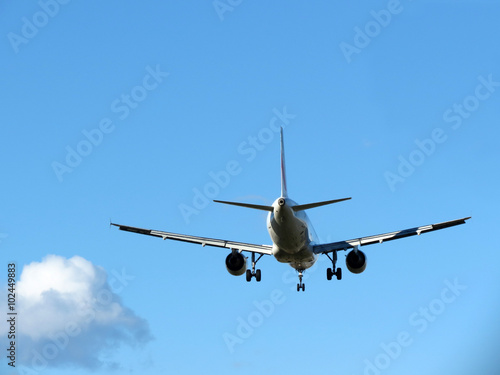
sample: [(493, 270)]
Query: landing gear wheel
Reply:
[(257, 275), (329, 273), (301, 285), (333, 271), (254, 273)]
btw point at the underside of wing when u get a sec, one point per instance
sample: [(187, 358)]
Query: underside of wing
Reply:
[(362, 241), (204, 241)]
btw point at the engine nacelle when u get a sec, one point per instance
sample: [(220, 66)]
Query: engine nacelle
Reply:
[(236, 264), (356, 263)]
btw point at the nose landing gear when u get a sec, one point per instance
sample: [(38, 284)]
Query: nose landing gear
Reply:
[(301, 285)]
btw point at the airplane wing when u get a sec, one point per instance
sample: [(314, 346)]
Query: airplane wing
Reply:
[(241, 246), (362, 241)]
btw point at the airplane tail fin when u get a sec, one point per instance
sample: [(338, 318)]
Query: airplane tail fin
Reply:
[(284, 192)]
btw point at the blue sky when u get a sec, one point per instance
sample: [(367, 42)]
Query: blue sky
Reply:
[(127, 111)]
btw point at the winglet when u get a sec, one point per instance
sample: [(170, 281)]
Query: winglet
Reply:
[(284, 192)]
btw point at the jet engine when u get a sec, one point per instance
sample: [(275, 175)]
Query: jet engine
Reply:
[(356, 261), (236, 264)]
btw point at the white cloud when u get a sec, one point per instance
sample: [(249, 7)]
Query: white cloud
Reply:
[(69, 315)]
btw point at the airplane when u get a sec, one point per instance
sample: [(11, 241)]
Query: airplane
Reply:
[(294, 240)]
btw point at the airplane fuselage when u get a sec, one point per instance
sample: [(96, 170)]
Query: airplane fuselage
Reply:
[(292, 235)]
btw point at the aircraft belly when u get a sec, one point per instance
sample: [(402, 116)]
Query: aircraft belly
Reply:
[(291, 237), (302, 259)]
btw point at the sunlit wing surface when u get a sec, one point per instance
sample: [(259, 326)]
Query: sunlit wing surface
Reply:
[(204, 241), (362, 241)]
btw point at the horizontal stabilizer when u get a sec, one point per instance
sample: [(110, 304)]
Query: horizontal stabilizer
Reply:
[(301, 207), (248, 205)]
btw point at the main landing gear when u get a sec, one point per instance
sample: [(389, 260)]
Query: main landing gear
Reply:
[(254, 273), (301, 285), (331, 271)]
